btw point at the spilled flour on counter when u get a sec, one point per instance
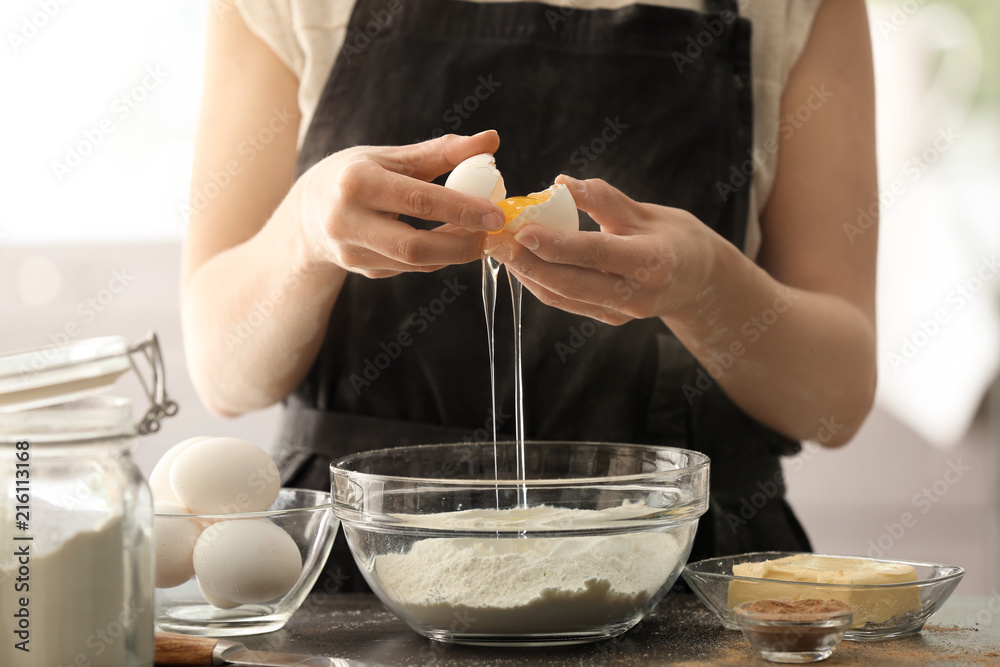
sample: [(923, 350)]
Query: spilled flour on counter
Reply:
[(493, 585)]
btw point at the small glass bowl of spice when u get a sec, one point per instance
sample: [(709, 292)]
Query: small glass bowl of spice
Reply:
[(794, 631)]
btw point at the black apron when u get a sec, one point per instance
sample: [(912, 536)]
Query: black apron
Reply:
[(658, 102)]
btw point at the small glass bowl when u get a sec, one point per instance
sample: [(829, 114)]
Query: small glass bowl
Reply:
[(711, 580), (579, 552), (304, 515), (809, 637)]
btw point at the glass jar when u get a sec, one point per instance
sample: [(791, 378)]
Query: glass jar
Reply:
[(76, 520)]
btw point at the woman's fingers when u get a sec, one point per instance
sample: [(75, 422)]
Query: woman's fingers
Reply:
[(548, 297), (571, 283), (623, 274), (429, 159), (374, 187), (351, 201), (606, 252), (404, 247), (611, 208)]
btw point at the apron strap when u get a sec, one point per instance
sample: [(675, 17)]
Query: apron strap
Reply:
[(307, 433)]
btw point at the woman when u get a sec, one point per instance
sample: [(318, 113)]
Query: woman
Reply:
[(713, 301)]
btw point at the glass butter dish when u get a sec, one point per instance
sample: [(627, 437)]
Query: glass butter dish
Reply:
[(881, 611)]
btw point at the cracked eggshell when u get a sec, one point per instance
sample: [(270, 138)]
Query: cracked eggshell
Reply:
[(246, 561), (478, 176), (175, 539), (558, 212)]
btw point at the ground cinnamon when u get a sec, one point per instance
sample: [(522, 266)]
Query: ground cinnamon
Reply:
[(793, 626), (789, 609)]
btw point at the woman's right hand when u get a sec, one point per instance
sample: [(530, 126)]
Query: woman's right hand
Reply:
[(349, 205), (266, 254)]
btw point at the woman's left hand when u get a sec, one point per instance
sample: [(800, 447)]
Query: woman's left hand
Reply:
[(647, 260)]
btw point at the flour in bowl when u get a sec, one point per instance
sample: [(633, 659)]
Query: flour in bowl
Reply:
[(531, 585)]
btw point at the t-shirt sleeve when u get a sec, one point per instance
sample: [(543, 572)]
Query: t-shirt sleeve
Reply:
[(273, 22), (799, 21)]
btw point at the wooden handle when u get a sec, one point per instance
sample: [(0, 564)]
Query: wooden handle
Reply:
[(174, 649)]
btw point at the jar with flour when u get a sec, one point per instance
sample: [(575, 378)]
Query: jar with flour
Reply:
[(76, 519)]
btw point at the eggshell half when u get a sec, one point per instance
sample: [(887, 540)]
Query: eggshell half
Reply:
[(246, 561), (159, 479), (559, 212), (175, 539), (224, 476), (478, 176)]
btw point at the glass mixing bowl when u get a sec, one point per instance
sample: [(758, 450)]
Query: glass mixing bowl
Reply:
[(462, 551)]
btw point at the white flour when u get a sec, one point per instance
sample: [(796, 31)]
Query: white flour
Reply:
[(80, 610), (527, 586)]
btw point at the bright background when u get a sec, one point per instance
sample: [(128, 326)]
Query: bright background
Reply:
[(118, 83)]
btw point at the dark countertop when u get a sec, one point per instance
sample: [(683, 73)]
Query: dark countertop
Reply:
[(681, 631)]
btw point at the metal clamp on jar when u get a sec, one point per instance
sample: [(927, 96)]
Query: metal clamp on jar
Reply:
[(76, 565)]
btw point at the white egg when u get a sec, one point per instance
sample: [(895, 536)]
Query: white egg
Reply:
[(478, 176), (175, 539), (159, 479), (224, 476), (215, 600), (557, 211), (246, 561)]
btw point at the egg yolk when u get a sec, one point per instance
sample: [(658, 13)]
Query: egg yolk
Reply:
[(514, 206)]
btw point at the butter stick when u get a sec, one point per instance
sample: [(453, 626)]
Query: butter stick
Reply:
[(870, 606)]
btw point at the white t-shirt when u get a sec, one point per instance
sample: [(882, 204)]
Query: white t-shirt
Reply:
[(307, 35)]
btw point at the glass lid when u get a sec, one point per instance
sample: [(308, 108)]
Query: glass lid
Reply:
[(50, 375), (56, 375)]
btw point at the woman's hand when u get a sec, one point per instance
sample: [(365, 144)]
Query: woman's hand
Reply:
[(647, 260), (349, 204)]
